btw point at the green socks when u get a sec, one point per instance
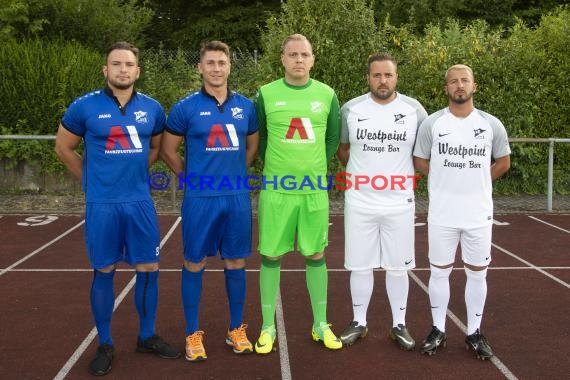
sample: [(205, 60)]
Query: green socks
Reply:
[(317, 284), (269, 279)]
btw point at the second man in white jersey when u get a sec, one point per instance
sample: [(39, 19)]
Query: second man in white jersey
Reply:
[(377, 140)]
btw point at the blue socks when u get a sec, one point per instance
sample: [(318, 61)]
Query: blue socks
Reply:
[(191, 292), (102, 301), (235, 288), (146, 301)]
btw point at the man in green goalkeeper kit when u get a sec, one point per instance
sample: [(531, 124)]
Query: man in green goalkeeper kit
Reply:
[(299, 126)]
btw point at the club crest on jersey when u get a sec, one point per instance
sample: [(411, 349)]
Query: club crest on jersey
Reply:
[(478, 133), (141, 117), (222, 138), (237, 113), (398, 118), (316, 106), (300, 131), (119, 142)]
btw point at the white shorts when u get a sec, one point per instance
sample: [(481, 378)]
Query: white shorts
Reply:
[(379, 238), (475, 245)]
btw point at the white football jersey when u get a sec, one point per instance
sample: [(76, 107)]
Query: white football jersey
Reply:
[(381, 141), (460, 152)]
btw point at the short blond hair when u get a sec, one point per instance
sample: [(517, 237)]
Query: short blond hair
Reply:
[(294, 37), (460, 67)]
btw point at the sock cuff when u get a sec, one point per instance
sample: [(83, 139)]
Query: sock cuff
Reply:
[(185, 270), (315, 263), (103, 275), (265, 261), (476, 274), (237, 272), (440, 272), (396, 273)]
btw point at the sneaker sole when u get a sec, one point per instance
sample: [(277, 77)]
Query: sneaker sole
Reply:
[(317, 338), (196, 359), (273, 349), (100, 373), (144, 350), (468, 347), (403, 345), (434, 350), (351, 339), (245, 351)]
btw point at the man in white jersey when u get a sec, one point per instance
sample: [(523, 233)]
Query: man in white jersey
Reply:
[(377, 140), (463, 150)]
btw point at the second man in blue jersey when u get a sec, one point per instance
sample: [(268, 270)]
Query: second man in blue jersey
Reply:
[(219, 127)]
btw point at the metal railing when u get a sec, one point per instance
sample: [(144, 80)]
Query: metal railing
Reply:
[(550, 141), (550, 181)]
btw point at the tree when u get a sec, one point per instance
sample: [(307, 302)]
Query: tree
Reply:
[(417, 14), (96, 24), (178, 23)]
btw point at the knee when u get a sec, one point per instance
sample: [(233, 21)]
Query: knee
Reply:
[(396, 273), (476, 275), (108, 269), (234, 263), (272, 262), (315, 256), (440, 272), (195, 267)]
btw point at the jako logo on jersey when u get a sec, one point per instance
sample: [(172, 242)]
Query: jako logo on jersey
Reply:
[(105, 116), (303, 127), (141, 117), (237, 113), (218, 138), (118, 136)]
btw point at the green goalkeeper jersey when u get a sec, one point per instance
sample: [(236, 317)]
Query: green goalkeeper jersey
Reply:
[(299, 129)]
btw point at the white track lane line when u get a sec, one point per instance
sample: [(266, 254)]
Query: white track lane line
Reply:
[(563, 283), (282, 340), (93, 333), (495, 360), (30, 255), (548, 224)]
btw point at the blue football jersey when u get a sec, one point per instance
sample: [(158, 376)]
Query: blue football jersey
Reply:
[(117, 142), (215, 142)]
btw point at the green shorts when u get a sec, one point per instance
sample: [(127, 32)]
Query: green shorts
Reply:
[(281, 215)]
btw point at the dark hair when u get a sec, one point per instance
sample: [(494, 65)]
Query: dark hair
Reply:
[(378, 57), (215, 46), (123, 45)]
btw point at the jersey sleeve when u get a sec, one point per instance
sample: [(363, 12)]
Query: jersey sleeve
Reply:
[(74, 119), (160, 120), (176, 123), (252, 125), (261, 123), (344, 135), (332, 135), (501, 146), (424, 139)]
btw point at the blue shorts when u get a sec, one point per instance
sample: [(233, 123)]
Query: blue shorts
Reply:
[(121, 232), (216, 224)]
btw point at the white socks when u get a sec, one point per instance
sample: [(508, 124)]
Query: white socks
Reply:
[(361, 286), (439, 295), (475, 295), (397, 286)]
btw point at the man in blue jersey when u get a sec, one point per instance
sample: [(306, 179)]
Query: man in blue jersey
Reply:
[(121, 130), (219, 127)]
